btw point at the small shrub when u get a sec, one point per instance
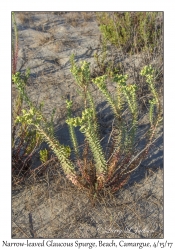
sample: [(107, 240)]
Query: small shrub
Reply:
[(131, 31), (25, 140), (103, 64)]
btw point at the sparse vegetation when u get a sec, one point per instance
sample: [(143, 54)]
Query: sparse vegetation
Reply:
[(132, 32)]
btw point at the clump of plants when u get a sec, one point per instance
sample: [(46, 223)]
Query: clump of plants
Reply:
[(25, 140), (93, 168), (22, 140), (104, 65), (131, 31)]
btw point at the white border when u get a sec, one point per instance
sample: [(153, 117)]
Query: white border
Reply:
[(5, 93)]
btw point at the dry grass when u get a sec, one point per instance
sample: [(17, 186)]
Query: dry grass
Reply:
[(73, 19), (56, 209), (43, 39), (23, 17), (87, 16), (58, 46)]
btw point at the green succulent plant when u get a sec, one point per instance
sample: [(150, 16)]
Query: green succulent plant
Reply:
[(93, 169)]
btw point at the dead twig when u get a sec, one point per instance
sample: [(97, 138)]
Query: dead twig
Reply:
[(21, 230)]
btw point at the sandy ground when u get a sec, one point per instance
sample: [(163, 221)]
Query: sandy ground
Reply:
[(46, 41)]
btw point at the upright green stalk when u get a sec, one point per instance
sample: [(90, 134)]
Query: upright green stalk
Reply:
[(86, 127), (72, 130), (100, 82), (148, 72), (33, 118), (82, 78), (130, 94)]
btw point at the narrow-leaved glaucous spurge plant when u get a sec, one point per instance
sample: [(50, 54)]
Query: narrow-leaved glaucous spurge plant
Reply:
[(94, 167)]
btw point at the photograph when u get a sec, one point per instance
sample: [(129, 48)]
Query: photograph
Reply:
[(87, 125)]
